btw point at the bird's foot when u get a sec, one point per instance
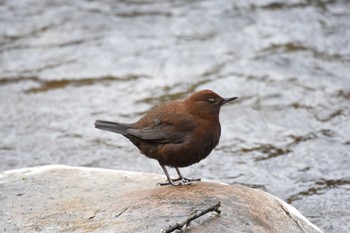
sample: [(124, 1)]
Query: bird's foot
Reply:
[(181, 180), (175, 182), (184, 179), (187, 180)]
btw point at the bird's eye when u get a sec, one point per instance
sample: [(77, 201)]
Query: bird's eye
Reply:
[(211, 100)]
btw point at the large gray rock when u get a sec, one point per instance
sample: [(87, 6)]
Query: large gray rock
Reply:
[(76, 199)]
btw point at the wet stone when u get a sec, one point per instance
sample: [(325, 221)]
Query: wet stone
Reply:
[(74, 199)]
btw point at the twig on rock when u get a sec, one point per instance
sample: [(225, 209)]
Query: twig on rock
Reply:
[(182, 226), (120, 213)]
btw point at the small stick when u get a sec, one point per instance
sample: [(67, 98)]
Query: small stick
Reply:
[(182, 226), (120, 213)]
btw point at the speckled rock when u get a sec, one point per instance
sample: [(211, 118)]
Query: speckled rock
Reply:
[(76, 199)]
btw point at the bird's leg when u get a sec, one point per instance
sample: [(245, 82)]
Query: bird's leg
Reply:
[(184, 179), (170, 181)]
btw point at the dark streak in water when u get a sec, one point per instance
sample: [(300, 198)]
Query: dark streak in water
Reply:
[(29, 33), (312, 110), (330, 117), (285, 5), (344, 94), (48, 85), (320, 187), (272, 151), (6, 81), (268, 149), (6, 148), (134, 14), (70, 136), (274, 49), (199, 37), (37, 70), (72, 42)]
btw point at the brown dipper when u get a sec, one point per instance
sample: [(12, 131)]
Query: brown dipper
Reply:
[(176, 133)]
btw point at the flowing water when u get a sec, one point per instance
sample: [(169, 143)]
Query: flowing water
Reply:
[(64, 64)]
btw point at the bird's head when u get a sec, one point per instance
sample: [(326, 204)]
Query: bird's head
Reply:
[(206, 103)]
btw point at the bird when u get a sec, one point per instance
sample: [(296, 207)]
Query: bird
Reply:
[(177, 133)]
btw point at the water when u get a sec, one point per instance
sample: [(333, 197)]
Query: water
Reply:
[(64, 64)]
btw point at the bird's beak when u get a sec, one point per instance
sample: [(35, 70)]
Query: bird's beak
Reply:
[(226, 100)]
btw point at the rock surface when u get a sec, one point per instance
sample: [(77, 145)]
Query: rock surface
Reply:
[(74, 199)]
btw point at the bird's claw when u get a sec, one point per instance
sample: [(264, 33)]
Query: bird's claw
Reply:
[(185, 179), (181, 181), (174, 183)]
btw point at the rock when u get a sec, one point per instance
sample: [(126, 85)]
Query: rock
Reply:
[(76, 199)]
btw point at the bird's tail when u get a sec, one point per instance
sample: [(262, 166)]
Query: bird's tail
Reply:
[(112, 126)]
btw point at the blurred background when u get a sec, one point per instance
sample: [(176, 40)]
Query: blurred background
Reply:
[(64, 64)]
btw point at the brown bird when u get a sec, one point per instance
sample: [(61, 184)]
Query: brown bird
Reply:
[(176, 133)]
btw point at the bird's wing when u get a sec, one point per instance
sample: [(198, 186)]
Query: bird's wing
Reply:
[(148, 133), (169, 131)]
